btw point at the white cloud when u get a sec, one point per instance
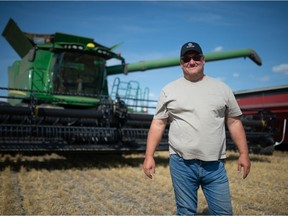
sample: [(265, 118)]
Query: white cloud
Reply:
[(236, 74), (261, 79), (264, 79), (218, 49), (282, 69)]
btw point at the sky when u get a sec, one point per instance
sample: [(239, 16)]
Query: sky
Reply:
[(149, 30)]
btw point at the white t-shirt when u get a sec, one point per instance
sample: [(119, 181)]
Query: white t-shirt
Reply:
[(196, 112)]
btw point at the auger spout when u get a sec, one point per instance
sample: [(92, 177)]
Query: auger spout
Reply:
[(171, 62)]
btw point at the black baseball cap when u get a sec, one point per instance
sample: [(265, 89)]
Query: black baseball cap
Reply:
[(190, 46)]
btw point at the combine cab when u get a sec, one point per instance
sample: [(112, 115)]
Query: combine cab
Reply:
[(58, 98)]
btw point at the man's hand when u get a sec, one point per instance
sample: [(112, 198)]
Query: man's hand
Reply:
[(244, 165), (149, 166), (154, 136), (239, 137)]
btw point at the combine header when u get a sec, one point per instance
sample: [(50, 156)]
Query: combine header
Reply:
[(58, 98)]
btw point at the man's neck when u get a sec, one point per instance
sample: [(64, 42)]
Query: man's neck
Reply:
[(195, 78)]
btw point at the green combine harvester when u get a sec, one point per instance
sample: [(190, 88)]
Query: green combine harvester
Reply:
[(58, 97)]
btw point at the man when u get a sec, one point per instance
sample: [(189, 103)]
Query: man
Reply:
[(197, 107)]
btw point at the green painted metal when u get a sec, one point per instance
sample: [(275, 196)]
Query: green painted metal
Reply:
[(170, 62), (17, 39), (250, 53), (44, 56), (52, 64)]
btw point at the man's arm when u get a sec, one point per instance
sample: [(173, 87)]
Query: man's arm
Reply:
[(238, 135), (154, 137)]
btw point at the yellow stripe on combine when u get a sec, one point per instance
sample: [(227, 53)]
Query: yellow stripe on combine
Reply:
[(17, 92)]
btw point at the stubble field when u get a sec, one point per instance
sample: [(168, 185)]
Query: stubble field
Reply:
[(88, 184)]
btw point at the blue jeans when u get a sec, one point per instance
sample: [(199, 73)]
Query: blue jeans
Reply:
[(188, 175)]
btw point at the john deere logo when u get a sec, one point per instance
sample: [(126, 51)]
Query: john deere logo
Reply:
[(190, 45)]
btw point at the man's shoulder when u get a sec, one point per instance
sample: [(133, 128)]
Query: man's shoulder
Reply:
[(174, 83), (217, 82)]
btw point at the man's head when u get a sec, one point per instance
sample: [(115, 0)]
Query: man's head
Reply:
[(190, 46), (192, 61)]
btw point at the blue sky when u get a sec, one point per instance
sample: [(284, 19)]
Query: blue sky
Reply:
[(157, 29)]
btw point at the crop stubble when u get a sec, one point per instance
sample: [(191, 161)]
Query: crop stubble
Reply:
[(89, 184)]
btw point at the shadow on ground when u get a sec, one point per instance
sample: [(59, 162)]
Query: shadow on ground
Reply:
[(90, 160), (80, 161)]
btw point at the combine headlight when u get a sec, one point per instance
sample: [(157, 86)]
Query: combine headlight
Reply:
[(90, 45)]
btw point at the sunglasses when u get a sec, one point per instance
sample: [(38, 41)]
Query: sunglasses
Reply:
[(186, 59)]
